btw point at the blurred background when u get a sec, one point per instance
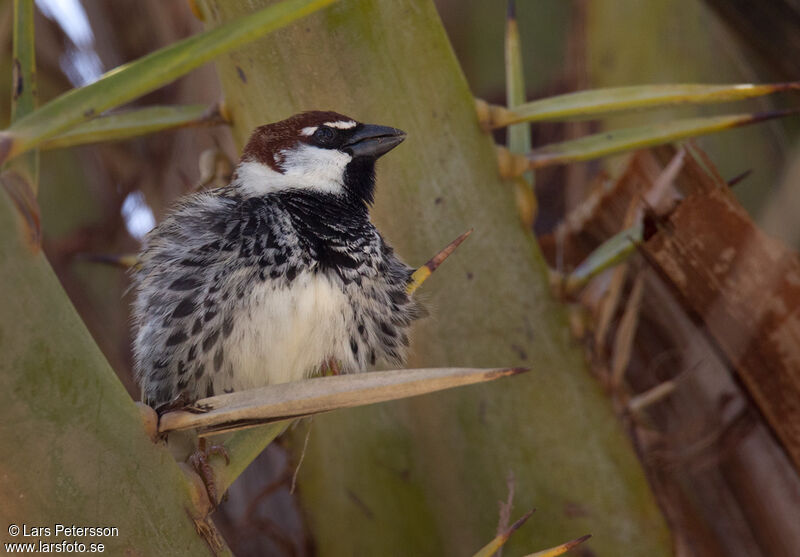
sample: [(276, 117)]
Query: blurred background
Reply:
[(721, 478)]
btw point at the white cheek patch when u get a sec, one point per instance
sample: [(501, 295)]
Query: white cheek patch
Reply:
[(341, 125), (304, 167), (308, 131)]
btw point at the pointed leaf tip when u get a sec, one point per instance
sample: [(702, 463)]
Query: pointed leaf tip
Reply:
[(506, 372), (522, 520), (738, 178), (511, 10), (499, 540), (434, 262), (421, 275), (561, 549)]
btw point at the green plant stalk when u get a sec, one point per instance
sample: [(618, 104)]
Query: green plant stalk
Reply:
[(519, 135), (628, 139), (423, 476), (596, 103), (23, 94), (133, 80), (23, 97), (75, 450)]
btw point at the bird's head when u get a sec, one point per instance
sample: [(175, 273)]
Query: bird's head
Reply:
[(318, 151)]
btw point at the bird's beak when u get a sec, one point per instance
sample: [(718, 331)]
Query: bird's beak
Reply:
[(373, 141)]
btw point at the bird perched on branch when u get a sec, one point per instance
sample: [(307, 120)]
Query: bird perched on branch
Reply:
[(268, 279)]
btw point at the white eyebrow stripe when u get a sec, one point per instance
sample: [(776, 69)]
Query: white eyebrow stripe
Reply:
[(342, 125), (309, 130)]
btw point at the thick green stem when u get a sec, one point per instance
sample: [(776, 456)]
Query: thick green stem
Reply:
[(74, 448), (423, 476)]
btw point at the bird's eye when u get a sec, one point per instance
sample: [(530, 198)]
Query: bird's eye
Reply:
[(324, 134)]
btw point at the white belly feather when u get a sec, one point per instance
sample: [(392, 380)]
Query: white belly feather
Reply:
[(288, 332)]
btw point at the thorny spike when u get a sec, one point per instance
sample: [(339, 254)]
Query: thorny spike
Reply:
[(511, 10), (736, 179), (496, 545), (422, 274), (561, 549), (520, 521)]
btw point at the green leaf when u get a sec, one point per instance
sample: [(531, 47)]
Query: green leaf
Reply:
[(613, 251), (133, 123), (244, 409), (150, 72), (241, 413), (627, 139), (599, 102)]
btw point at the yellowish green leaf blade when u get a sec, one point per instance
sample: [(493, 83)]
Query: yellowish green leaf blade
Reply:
[(133, 80), (421, 275), (613, 251), (136, 122), (560, 549), (493, 546), (627, 139), (600, 102), (243, 409)]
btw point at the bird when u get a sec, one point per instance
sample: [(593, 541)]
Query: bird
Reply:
[(276, 275)]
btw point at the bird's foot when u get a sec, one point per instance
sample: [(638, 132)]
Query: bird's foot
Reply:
[(181, 401), (199, 461), (331, 367)]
